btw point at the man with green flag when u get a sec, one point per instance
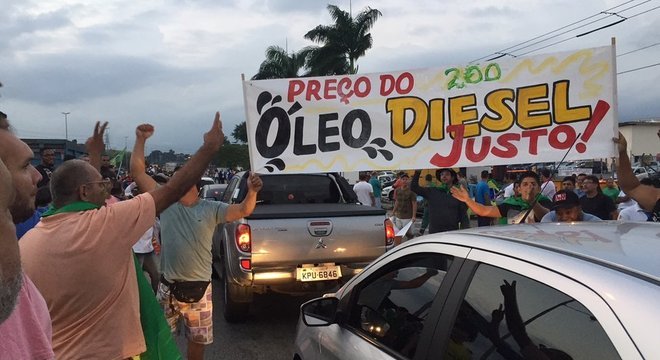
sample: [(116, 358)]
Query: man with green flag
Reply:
[(93, 295), (513, 208)]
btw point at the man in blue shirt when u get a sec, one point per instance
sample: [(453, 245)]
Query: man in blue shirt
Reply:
[(482, 197), (375, 184)]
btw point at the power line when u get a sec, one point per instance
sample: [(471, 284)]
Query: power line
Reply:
[(640, 49), (531, 42), (639, 68)]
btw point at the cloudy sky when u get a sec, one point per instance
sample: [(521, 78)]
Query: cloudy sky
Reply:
[(173, 63)]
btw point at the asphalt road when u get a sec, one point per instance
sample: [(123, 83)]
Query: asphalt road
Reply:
[(268, 333)]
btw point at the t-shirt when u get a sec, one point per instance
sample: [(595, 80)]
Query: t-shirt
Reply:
[(27, 333), (46, 172), (548, 189), (599, 205), (552, 217), (612, 193), (508, 191), (375, 185), (482, 192), (362, 190), (82, 264), (633, 213), (625, 204), (403, 205), (186, 237)]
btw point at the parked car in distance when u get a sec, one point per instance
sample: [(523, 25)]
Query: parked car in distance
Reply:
[(213, 191), (205, 180), (538, 291)]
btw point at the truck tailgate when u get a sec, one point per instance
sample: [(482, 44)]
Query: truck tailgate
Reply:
[(316, 233)]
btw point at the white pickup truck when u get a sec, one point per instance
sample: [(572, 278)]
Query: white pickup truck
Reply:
[(306, 235)]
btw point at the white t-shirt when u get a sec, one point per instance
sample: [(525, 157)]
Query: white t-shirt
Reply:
[(362, 190), (633, 213), (627, 204), (549, 190), (508, 191)]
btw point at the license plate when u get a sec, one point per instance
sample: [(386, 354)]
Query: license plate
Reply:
[(318, 273)]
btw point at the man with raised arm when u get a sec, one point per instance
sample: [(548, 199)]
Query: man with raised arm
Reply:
[(79, 256), (186, 236), (513, 208)]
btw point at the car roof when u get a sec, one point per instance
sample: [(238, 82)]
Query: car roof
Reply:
[(625, 246)]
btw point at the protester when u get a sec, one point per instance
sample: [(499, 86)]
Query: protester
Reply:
[(107, 169), (144, 251), (80, 258), (635, 212), (594, 202), (508, 190), (378, 190), (611, 191), (46, 167), (646, 196), (187, 232), (41, 202), (548, 188), (579, 190), (566, 208), (445, 212), (513, 208), (568, 183), (364, 191), (482, 197), (405, 205), (462, 181), (25, 325)]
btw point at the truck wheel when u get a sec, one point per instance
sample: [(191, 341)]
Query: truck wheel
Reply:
[(233, 311)]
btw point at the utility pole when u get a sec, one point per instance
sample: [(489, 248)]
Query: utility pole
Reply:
[(66, 125), (107, 138)]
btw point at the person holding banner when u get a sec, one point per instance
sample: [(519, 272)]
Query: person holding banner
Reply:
[(513, 208), (646, 196), (405, 205), (445, 212)]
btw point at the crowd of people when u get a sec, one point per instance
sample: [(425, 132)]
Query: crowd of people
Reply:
[(92, 306)]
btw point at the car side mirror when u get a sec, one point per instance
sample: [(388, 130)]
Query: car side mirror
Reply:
[(319, 312)]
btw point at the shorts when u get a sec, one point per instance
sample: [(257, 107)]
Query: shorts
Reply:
[(197, 317)]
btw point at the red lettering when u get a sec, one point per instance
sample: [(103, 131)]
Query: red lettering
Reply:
[(386, 84), (455, 153), (411, 83), (345, 83), (510, 149), (569, 134), (367, 86), (330, 85), (533, 136), (296, 88), (483, 152), (313, 87)]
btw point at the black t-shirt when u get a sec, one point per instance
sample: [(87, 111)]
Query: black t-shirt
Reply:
[(45, 172), (599, 205)]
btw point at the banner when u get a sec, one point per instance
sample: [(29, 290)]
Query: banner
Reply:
[(505, 111)]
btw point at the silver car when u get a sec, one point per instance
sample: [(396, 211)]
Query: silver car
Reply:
[(538, 291)]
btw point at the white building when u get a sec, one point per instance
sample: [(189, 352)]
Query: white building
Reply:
[(643, 137)]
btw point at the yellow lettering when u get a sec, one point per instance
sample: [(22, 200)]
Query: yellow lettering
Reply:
[(462, 110), (397, 107), (562, 111), (530, 109), (503, 114), (437, 119)]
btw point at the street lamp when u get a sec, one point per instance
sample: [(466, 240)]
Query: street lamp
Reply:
[(66, 126)]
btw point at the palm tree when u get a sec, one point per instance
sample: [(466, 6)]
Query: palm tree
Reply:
[(342, 42), (280, 65)]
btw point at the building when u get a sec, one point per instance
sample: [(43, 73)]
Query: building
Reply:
[(62, 149), (643, 137)]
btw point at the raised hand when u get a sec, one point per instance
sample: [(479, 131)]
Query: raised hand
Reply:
[(254, 182), (460, 193), (622, 143), (94, 144), (144, 131), (215, 137)]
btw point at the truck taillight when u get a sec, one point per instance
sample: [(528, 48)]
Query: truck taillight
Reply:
[(244, 237), (389, 232)]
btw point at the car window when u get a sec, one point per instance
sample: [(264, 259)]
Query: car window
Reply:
[(392, 307), (508, 316), (229, 191)]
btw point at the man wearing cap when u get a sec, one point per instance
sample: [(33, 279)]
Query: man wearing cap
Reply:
[(566, 208), (445, 212)]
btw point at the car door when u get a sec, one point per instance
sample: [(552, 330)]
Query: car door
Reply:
[(506, 308), (391, 308)]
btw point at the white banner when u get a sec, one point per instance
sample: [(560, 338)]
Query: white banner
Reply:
[(506, 111)]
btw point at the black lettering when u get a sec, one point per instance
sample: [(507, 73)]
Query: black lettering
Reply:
[(298, 147), (325, 132), (347, 128), (283, 132)]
